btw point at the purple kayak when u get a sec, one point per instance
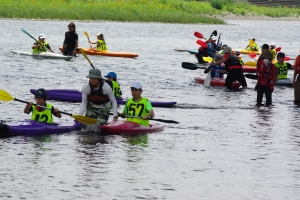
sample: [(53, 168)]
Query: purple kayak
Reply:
[(33, 128), (75, 96)]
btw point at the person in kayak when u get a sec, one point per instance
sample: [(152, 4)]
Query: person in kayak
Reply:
[(101, 45), (282, 67), (238, 54), (273, 50), (112, 76), (41, 114), (216, 71), (266, 80), (70, 43), (233, 68), (209, 51), (252, 46), (138, 106), (296, 80), (96, 98), (221, 51), (41, 45)]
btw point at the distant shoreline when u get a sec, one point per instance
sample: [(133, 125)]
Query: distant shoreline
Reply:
[(260, 18)]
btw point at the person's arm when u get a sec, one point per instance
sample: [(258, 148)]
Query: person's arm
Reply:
[(274, 74), (297, 62), (124, 111), (36, 45), (108, 91), (64, 43), (209, 50), (219, 62), (48, 47), (84, 101), (28, 108), (55, 112), (150, 110)]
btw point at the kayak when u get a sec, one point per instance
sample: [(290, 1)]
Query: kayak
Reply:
[(90, 51), (245, 51), (124, 127), (279, 82), (48, 55), (206, 59), (33, 128), (217, 82), (75, 96), (249, 69)]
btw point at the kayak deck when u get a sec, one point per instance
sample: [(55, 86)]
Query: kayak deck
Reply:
[(217, 82), (124, 127), (33, 128), (47, 55)]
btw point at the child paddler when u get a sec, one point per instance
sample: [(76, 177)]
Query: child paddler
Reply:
[(41, 46), (281, 66), (138, 106), (101, 45), (96, 98), (112, 76), (41, 114)]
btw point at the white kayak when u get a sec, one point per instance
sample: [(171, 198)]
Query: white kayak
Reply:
[(47, 55)]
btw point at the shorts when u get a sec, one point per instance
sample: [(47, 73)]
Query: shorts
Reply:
[(101, 114)]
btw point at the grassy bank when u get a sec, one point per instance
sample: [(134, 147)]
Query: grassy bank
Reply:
[(168, 11)]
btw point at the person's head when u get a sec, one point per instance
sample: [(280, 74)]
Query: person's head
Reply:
[(265, 48), (272, 46), (280, 57), (224, 45), (227, 50), (42, 37), (95, 77), (218, 57), (40, 96), (99, 36), (136, 90), (72, 26), (267, 56), (237, 52), (111, 76), (213, 39)]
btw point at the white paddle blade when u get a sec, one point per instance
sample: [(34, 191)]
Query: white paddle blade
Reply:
[(207, 80)]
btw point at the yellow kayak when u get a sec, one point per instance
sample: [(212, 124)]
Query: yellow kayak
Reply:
[(245, 51)]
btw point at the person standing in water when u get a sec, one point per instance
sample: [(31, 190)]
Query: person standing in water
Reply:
[(71, 41)]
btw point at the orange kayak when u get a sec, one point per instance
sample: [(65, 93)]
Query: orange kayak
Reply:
[(105, 53)]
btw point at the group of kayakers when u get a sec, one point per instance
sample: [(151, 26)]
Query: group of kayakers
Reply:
[(269, 70), (70, 43)]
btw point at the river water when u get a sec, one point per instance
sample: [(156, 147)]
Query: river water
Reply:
[(223, 148)]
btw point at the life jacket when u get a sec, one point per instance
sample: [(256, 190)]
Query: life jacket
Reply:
[(101, 46), (253, 47), (40, 49), (40, 115), (232, 61), (273, 51), (137, 109), (203, 51), (116, 89), (282, 70), (241, 60), (96, 96), (265, 74), (217, 72)]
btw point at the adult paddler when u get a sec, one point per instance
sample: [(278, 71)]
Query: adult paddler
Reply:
[(41, 45), (71, 41), (96, 98), (138, 106)]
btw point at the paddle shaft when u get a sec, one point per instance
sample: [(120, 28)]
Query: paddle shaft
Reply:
[(159, 120), (32, 37), (87, 36), (84, 54)]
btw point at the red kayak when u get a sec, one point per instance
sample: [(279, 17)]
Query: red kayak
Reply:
[(217, 82), (249, 69), (124, 127)]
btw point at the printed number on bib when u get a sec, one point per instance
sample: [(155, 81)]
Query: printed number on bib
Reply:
[(134, 108)]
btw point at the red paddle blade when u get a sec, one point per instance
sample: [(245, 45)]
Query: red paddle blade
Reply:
[(252, 55), (198, 35), (278, 49), (287, 58), (201, 43)]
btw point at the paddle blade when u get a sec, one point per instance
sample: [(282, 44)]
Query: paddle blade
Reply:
[(278, 49), (198, 35), (287, 58), (86, 34), (84, 119), (190, 66), (84, 54), (250, 63), (166, 121), (5, 96), (252, 55), (201, 43), (207, 80)]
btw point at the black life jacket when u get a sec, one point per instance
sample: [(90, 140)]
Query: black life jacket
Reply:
[(232, 60), (97, 97)]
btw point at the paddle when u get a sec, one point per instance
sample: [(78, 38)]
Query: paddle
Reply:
[(84, 54), (207, 80), (202, 44), (191, 66), (32, 37), (180, 50), (217, 43), (87, 35), (251, 76), (159, 120), (199, 35), (278, 49), (5, 96)]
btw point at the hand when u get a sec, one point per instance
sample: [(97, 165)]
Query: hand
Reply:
[(74, 51), (29, 103), (56, 110), (212, 69), (115, 119), (121, 115)]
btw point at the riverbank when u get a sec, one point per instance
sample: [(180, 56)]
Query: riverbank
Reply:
[(164, 11)]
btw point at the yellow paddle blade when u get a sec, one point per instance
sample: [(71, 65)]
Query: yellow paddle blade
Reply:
[(207, 59), (5, 96), (250, 63), (86, 34), (84, 119), (84, 54)]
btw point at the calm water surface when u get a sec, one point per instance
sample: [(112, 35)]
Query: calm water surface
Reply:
[(223, 148)]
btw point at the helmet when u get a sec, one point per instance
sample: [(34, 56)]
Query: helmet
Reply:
[(42, 93), (268, 55), (252, 38), (227, 50), (237, 52), (273, 45)]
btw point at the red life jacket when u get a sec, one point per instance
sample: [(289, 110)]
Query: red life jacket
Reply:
[(265, 75)]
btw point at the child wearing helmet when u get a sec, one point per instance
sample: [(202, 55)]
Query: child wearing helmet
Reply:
[(112, 76), (41, 114), (282, 67), (273, 50), (266, 79), (101, 45)]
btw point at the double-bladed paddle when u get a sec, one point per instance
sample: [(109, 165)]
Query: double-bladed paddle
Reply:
[(159, 120), (87, 35), (84, 54), (191, 66), (5, 96), (33, 37)]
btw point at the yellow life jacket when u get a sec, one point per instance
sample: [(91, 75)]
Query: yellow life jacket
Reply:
[(42, 116), (137, 109), (282, 70), (101, 46), (40, 49), (116, 89)]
